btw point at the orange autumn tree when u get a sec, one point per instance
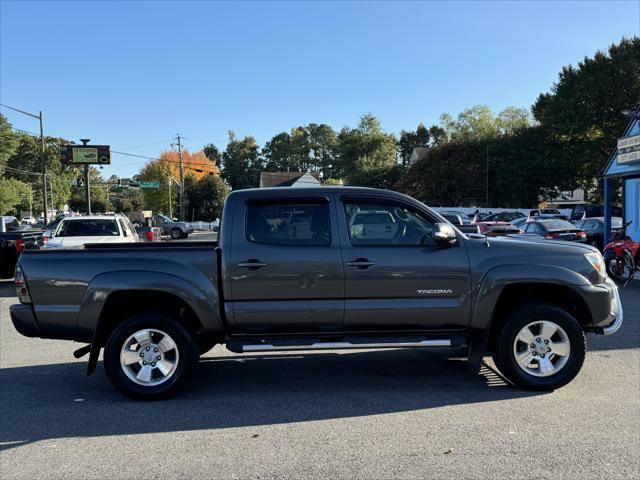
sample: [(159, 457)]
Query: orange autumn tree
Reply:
[(196, 164)]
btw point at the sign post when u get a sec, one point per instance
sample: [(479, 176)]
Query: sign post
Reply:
[(86, 155)]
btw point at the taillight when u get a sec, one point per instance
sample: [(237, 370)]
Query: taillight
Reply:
[(19, 245), (552, 236), (21, 286), (581, 234)]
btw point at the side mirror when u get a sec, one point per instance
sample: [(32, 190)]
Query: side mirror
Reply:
[(443, 235)]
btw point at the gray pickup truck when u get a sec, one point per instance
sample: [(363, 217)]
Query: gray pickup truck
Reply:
[(320, 268)]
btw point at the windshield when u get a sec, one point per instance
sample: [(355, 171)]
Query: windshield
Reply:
[(87, 228), (11, 224)]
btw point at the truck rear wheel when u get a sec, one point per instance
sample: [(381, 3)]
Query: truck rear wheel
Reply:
[(540, 347), (149, 356)]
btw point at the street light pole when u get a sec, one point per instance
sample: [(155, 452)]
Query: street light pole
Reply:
[(43, 153)]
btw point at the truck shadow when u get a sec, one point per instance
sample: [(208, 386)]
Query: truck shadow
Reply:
[(55, 401)]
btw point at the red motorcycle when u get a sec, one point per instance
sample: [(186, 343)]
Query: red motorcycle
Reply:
[(622, 256)]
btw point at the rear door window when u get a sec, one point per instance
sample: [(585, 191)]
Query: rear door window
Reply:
[(288, 223)]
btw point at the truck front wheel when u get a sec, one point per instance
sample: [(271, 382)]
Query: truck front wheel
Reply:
[(149, 356), (540, 347)]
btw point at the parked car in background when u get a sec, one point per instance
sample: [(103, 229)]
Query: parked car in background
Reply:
[(14, 238), (463, 217), (497, 229), (555, 229), (520, 222), (594, 228), (28, 220), (504, 217), (554, 212), (169, 227), (591, 211), (76, 232)]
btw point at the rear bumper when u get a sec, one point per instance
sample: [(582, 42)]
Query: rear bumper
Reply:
[(24, 320), (605, 306)]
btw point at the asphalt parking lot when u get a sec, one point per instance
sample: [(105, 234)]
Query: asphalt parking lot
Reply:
[(362, 414)]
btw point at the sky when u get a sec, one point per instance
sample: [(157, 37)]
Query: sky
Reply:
[(134, 74)]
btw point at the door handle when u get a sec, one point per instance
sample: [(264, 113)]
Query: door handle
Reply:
[(252, 264), (361, 263)]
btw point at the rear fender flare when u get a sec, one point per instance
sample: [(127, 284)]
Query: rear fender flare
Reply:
[(203, 301)]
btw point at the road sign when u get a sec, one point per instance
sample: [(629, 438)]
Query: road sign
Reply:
[(86, 155), (628, 149), (142, 184)]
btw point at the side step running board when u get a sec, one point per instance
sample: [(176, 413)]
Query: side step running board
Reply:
[(243, 347)]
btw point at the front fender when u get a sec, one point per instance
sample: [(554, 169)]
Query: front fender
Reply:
[(497, 278)]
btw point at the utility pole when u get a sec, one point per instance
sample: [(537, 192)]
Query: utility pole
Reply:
[(487, 193), (87, 191), (44, 171), (44, 158), (181, 177)]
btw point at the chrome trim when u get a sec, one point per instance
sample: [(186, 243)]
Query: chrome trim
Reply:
[(619, 315), (262, 347)]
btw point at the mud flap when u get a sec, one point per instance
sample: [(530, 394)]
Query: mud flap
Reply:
[(477, 350)]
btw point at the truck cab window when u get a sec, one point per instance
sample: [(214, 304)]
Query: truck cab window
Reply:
[(288, 224)]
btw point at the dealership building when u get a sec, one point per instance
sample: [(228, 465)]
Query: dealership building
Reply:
[(624, 163)]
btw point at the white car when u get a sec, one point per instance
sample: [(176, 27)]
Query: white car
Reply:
[(28, 220), (76, 232)]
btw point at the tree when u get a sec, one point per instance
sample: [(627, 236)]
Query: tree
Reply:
[(99, 195), (241, 162), (166, 198), (277, 154), (207, 198), (212, 153), (323, 142), (197, 163), (410, 140), (367, 154), (13, 193), (8, 141), (582, 110)]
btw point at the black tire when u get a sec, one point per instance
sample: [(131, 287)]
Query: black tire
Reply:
[(176, 233), (621, 268), (186, 348), (504, 356)]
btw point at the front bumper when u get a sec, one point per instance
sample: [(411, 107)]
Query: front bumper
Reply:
[(616, 312), (24, 320), (603, 301)]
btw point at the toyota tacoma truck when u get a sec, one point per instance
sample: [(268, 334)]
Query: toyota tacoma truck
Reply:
[(320, 268)]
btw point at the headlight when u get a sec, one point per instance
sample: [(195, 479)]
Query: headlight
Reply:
[(597, 262)]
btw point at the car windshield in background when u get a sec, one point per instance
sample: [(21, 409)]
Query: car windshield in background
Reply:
[(558, 225), (88, 228), (11, 224)]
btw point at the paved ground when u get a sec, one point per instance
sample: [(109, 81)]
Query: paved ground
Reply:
[(365, 414)]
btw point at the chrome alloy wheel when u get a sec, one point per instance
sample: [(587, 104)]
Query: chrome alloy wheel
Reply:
[(149, 357), (542, 348)]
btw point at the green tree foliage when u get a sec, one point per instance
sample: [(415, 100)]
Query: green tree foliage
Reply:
[(206, 198), (157, 199), (582, 111), (479, 123), (14, 196), (8, 141), (411, 139), (99, 194), (277, 154), (212, 153), (241, 162), (368, 154), (323, 142)]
